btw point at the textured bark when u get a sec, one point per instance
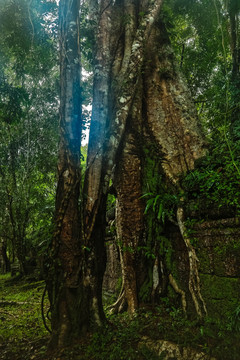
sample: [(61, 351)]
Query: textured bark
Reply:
[(173, 123), (130, 209), (170, 113), (78, 254), (194, 280), (173, 283), (100, 111), (95, 200), (162, 113), (66, 289), (138, 95), (117, 68), (110, 111)]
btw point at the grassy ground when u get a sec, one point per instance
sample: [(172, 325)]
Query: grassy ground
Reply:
[(24, 337), (22, 333)]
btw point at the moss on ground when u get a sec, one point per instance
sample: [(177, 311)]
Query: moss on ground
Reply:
[(23, 336), (22, 331)]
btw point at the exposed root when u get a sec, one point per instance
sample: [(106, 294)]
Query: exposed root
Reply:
[(194, 281), (42, 311), (155, 278), (121, 302), (119, 305), (174, 284)]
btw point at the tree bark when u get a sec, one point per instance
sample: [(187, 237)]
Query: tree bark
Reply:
[(4, 261), (138, 95), (117, 68), (110, 110), (233, 9), (167, 118), (170, 112), (78, 254), (130, 206), (67, 293)]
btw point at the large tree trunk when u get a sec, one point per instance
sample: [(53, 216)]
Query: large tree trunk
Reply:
[(168, 120), (117, 68), (78, 254), (137, 95), (130, 206), (95, 199), (171, 115), (66, 288), (118, 59)]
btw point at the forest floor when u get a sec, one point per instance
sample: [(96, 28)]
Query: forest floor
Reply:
[(24, 337)]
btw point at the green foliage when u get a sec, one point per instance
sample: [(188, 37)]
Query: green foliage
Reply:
[(215, 179), (111, 201), (234, 320), (203, 44), (162, 205), (147, 251), (166, 251), (28, 123), (146, 287), (107, 345), (28, 140), (122, 338), (159, 208), (20, 313)]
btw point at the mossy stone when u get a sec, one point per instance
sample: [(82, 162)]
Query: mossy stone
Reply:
[(221, 294)]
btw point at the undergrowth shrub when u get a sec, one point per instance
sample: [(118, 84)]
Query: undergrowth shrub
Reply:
[(216, 178)]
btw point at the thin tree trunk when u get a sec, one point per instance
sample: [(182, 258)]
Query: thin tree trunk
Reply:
[(4, 261), (233, 9), (233, 12)]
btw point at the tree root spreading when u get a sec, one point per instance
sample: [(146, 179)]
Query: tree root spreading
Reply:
[(174, 284), (194, 280)]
